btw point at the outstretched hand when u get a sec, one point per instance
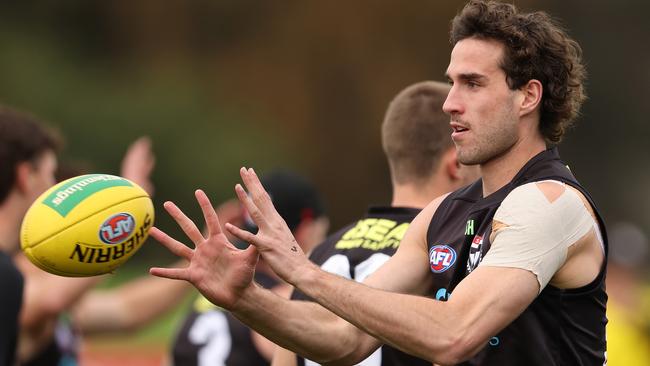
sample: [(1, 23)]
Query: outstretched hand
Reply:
[(274, 240), (219, 270)]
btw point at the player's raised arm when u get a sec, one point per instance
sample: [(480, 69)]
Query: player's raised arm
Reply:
[(275, 244), (138, 163), (434, 330), (223, 274)]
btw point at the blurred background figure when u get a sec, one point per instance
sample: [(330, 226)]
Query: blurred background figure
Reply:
[(628, 310), (27, 166), (210, 336)]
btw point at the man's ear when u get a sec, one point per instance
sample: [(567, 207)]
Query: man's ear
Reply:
[(532, 97), (24, 171), (451, 164)]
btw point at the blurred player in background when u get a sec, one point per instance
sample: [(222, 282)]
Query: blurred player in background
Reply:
[(628, 329), (211, 336), (27, 166), (423, 166)]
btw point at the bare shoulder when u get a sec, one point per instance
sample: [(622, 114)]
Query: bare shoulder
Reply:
[(412, 253), (416, 234), (427, 213)]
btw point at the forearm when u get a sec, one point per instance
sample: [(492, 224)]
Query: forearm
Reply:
[(283, 357), (47, 296), (303, 327), (129, 306), (403, 321), (98, 312)]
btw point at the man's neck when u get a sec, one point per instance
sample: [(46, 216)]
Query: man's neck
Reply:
[(11, 215), (8, 235), (500, 170), (418, 195)]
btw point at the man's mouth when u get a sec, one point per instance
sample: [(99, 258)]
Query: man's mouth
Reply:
[(458, 128)]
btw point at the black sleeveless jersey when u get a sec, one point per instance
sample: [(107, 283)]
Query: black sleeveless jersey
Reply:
[(560, 327), (212, 336), (11, 283), (355, 252)]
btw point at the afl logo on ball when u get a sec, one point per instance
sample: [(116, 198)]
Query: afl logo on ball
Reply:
[(117, 228), (441, 257)]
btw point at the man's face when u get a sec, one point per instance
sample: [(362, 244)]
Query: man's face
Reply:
[(480, 104), (42, 175)]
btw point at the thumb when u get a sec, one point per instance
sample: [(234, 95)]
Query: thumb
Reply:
[(251, 255)]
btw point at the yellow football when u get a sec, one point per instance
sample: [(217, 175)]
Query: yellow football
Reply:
[(86, 225)]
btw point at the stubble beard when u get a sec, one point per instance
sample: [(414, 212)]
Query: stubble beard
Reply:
[(493, 143)]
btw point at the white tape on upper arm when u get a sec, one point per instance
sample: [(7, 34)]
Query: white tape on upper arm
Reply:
[(537, 233)]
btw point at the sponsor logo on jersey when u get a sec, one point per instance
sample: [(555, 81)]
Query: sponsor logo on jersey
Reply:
[(373, 234), (117, 228), (475, 253), (469, 228), (441, 258)]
